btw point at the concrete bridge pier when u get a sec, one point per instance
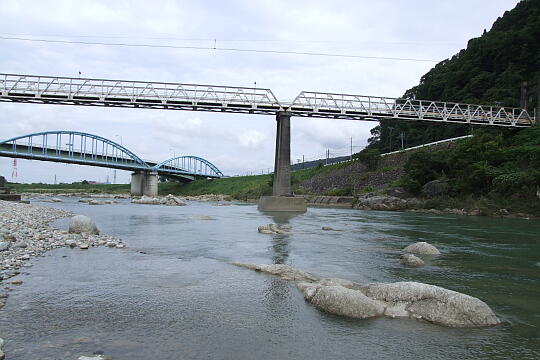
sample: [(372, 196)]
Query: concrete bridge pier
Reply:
[(144, 183), (150, 184), (137, 183), (282, 160), (281, 199)]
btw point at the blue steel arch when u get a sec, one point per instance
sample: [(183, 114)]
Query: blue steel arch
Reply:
[(189, 164), (118, 156)]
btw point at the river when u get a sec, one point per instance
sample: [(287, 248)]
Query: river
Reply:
[(172, 294)]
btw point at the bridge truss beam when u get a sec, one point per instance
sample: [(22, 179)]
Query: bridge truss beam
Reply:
[(136, 94), (193, 97)]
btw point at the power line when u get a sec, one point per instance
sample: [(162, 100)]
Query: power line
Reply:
[(239, 40), (215, 48)]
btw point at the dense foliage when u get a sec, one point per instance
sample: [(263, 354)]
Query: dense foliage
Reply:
[(369, 157), (490, 70), (490, 163)]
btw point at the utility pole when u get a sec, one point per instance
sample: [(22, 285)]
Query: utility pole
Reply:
[(351, 148), (14, 171), (303, 161), (327, 155), (523, 99), (537, 116), (390, 142)]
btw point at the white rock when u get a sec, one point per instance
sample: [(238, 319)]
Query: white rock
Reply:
[(422, 248), (273, 229), (342, 301), (435, 304), (402, 299), (285, 271), (411, 260), (4, 245), (81, 224)]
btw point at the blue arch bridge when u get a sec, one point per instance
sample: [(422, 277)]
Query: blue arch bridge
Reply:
[(81, 148)]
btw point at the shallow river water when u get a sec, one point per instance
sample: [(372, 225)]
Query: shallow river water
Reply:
[(172, 294)]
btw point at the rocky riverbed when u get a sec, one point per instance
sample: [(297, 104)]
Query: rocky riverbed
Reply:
[(25, 233)]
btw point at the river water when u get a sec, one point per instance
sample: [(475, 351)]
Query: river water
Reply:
[(172, 294)]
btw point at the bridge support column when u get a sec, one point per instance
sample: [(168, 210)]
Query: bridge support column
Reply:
[(282, 161), (137, 179), (144, 183), (150, 184), (281, 199)]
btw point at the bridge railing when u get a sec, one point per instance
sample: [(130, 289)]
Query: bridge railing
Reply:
[(195, 97), (331, 105), (74, 90), (189, 165)]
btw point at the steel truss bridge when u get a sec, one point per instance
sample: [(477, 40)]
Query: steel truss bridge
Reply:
[(81, 148), (194, 97)]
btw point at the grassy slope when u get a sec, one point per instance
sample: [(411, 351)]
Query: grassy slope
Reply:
[(242, 187)]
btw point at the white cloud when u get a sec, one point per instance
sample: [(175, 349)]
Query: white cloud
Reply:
[(251, 138)]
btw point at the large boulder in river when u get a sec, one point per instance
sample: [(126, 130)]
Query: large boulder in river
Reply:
[(170, 200), (274, 229), (342, 301), (434, 304), (81, 224), (401, 299), (411, 260), (147, 200), (422, 248)]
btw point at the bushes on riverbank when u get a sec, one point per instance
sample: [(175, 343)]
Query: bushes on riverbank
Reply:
[(493, 164)]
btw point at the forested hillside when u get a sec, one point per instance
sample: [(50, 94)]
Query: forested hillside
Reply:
[(491, 70)]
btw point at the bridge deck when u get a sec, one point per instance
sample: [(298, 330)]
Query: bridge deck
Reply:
[(194, 97)]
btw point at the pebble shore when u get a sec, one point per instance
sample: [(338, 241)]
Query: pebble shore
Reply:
[(25, 233)]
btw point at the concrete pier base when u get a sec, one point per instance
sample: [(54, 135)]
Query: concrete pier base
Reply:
[(144, 184), (150, 184), (137, 179), (282, 203)]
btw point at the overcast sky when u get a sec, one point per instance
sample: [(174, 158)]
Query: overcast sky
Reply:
[(235, 143)]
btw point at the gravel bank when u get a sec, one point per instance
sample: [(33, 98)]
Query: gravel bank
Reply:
[(25, 233)]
